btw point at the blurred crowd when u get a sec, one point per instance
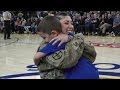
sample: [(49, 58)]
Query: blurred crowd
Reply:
[(102, 23)]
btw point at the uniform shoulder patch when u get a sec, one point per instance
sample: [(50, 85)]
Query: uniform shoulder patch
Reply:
[(56, 58)]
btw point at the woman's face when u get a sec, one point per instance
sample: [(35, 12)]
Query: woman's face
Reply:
[(67, 24)]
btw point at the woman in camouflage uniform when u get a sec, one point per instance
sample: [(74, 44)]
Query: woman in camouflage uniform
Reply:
[(59, 67)]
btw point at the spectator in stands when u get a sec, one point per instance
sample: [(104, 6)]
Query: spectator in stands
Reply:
[(88, 24), (116, 24), (107, 24), (95, 23)]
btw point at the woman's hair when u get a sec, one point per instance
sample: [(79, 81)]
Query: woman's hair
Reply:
[(48, 24), (60, 15)]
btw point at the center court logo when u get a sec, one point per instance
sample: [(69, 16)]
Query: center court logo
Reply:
[(108, 70), (109, 45), (104, 72)]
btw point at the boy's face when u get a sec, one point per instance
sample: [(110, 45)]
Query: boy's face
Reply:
[(47, 37)]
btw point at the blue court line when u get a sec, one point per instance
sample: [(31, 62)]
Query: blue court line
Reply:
[(109, 73), (19, 75), (37, 73)]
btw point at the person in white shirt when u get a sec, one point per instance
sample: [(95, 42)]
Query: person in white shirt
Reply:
[(7, 20)]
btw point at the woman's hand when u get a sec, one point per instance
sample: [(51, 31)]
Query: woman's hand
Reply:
[(61, 37)]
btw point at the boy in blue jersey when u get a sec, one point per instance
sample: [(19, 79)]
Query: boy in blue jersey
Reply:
[(64, 62)]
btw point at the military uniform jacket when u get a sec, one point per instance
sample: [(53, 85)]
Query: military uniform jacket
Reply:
[(52, 66)]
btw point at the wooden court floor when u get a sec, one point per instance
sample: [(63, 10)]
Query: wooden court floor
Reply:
[(16, 56)]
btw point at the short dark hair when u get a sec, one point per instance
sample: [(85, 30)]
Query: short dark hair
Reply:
[(48, 24)]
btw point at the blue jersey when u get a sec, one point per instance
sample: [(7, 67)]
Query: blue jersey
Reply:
[(84, 69)]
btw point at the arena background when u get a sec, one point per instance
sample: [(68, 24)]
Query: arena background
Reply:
[(16, 54)]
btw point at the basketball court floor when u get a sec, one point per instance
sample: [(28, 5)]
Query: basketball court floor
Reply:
[(16, 56)]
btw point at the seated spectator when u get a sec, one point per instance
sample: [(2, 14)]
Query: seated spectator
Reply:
[(28, 25), (88, 25), (82, 24), (107, 25), (116, 24), (95, 23), (18, 24)]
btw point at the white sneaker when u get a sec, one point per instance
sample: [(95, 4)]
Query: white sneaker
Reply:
[(112, 34)]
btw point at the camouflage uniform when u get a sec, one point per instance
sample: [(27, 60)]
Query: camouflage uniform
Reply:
[(52, 66), (89, 50)]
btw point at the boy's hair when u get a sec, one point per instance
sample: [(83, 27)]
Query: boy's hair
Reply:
[(48, 24)]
